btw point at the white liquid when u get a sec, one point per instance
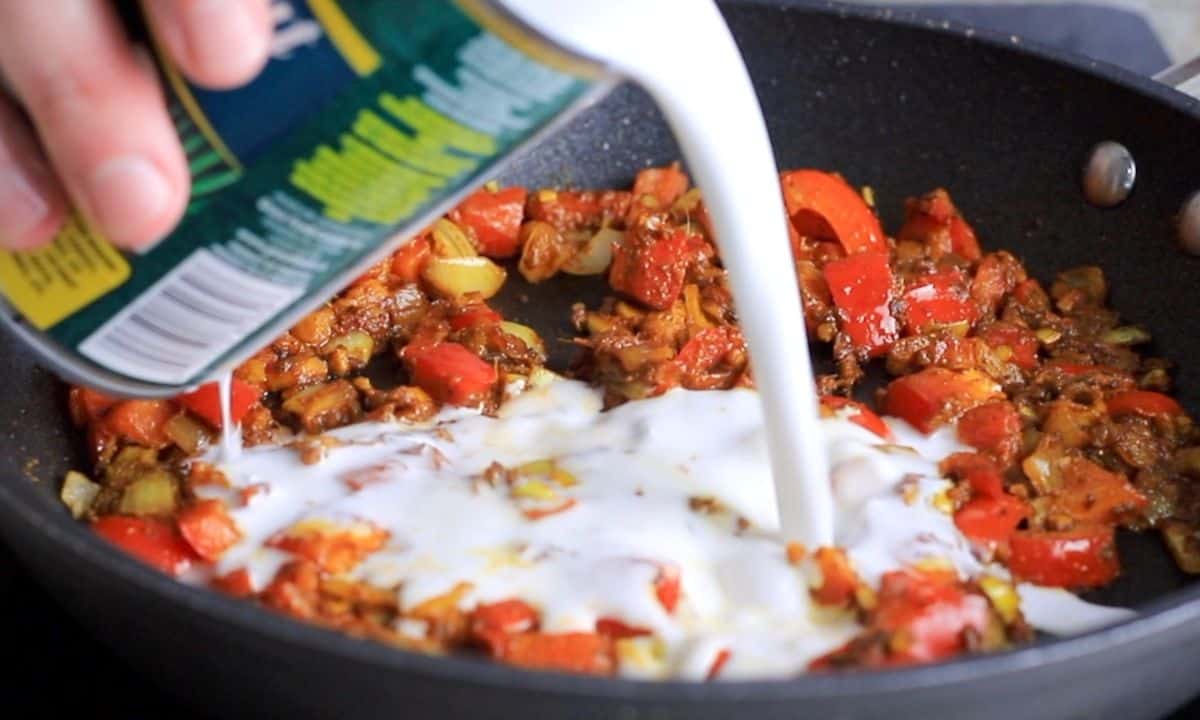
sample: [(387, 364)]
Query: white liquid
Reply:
[(684, 56), (638, 467)]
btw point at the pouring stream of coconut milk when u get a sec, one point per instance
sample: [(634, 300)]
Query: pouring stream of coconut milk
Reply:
[(688, 61)]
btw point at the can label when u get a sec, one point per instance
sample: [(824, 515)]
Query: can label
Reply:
[(368, 116)]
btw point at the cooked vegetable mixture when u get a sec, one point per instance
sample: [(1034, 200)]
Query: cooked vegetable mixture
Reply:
[(1064, 433)]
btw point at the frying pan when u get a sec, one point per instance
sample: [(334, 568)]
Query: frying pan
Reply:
[(887, 102)]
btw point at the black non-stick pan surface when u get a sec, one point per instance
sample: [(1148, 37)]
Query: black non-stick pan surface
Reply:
[(901, 107)]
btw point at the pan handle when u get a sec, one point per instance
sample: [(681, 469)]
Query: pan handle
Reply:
[(1184, 77)]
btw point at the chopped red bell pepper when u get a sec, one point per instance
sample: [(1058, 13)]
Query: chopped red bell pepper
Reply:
[(667, 587), (472, 315), (87, 405), (141, 421), (994, 428), (617, 630), (650, 268), (932, 614), (664, 184), (208, 528), (824, 206), (237, 583), (933, 220), (590, 653), (935, 396), (861, 415), (1080, 558), (153, 541), (1142, 402), (1022, 344), (506, 616), (409, 261), (493, 219), (861, 286), (991, 519), (718, 663), (1091, 494), (569, 210), (449, 372), (940, 298), (839, 581), (703, 352), (205, 401)]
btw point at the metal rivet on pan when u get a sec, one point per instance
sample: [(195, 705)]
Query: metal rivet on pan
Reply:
[(1109, 174), (1189, 225)]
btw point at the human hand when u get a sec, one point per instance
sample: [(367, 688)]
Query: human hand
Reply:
[(98, 135)]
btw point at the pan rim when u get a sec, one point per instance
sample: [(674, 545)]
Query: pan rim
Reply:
[(1156, 618)]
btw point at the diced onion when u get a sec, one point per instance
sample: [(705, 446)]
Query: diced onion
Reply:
[(460, 277), (595, 255)]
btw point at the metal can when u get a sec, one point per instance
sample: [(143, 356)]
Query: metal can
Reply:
[(371, 118)]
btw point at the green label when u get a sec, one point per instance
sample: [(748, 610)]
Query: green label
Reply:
[(368, 115)]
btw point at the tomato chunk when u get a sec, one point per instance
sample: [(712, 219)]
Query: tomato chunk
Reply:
[(934, 396), (450, 373), (205, 401), (141, 421), (941, 298), (650, 268), (509, 616), (1142, 402), (153, 541), (667, 588), (493, 219), (701, 359), (1091, 494), (208, 528), (1081, 558), (824, 206), (861, 286), (860, 414), (87, 405)]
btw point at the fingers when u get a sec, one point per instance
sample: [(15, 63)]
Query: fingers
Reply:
[(32, 206), (217, 43), (100, 115)]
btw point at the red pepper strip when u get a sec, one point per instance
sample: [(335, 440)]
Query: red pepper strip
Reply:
[(153, 541), (863, 416), (1142, 402), (718, 663), (650, 269), (1081, 558), (940, 298), (824, 206), (208, 528), (205, 401), (861, 286), (449, 372), (934, 396), (493, 219)]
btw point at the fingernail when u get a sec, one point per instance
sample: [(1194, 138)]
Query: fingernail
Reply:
[(126, 194), (22, 209), (221, 33)]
